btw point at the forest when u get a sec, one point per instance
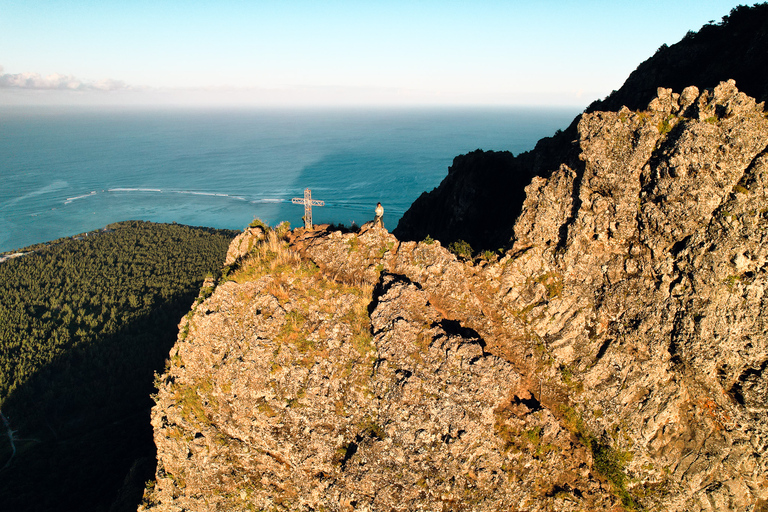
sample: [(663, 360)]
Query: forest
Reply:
[(85, 322)]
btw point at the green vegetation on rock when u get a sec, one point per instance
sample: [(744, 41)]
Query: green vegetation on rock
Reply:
[(461, 249)]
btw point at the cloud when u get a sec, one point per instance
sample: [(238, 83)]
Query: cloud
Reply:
[(55, 82)]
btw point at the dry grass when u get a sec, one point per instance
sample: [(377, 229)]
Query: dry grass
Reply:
[(270, 256)]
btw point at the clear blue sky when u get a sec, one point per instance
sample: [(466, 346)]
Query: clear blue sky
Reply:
[(286, 52)]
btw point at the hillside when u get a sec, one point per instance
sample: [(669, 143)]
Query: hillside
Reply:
[(614, 358), (481, 197), (84, 324), (735, 48)]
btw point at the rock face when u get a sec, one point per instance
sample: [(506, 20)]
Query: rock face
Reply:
[(469, 209), (482, 195), (242, 245), (613, 359), (479, 199)]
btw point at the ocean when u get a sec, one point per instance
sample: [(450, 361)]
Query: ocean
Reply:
[(64, 171)]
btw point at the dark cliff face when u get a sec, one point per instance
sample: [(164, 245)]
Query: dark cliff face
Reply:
[(465, 200), (482, 195), (736, 48)]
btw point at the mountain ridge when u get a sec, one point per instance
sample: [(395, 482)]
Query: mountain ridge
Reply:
[(613, 358), (458, 209)]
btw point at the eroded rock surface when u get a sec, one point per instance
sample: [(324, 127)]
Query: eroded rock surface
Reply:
[(614, 358), (242, 245)]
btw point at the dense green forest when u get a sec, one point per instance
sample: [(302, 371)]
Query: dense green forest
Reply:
[(85, 323)]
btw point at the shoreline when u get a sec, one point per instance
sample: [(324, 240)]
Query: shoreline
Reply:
[(7, 257)]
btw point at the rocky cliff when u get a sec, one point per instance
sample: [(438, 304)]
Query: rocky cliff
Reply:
[(613, 359), (483, 193), (479, 199)]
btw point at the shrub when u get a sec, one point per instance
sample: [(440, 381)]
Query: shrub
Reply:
[(488, 255), (283, 228), (258, 223), (665, 125), (461, 249)]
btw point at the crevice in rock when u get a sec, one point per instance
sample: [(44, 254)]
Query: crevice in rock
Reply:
[(402, 376), (660, 154), (371, 432), (558, 489), (745, 175), (678, 246), (454, 328), (387, 327), (673, 349), (474, 360), (747, 376), (750, 167), (396, 250), (603, 348), (674, 282), (531, 403), (386, 281), (469, 335), (575, 206), (674, 346), (349, 452)]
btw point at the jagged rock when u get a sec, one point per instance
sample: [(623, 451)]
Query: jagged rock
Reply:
[(658, 210), (479, 200), (243, 244), (614, 358)]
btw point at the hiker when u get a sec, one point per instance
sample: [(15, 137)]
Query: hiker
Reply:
[(379, 214)]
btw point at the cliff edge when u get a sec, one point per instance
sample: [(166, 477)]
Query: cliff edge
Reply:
[(613, 359)]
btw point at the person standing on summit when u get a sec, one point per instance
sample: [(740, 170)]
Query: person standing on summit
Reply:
[(379, 214)]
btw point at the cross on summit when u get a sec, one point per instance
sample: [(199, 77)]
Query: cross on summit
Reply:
[(308, 203)]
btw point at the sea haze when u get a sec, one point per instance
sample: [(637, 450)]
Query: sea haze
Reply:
[(67, 171)]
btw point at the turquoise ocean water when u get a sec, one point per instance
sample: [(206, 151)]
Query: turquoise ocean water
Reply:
[(67, 171)]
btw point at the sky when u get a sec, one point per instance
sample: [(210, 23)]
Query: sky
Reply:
[(333, 52)]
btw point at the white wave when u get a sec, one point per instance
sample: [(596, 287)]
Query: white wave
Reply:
[(269, 200), (186, 192), (196, 193), (134, 190), (70, 199)]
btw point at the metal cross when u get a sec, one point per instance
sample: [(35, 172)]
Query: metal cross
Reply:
[(308, 203)]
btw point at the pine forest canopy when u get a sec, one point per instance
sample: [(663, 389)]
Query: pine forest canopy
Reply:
[(84, 324)]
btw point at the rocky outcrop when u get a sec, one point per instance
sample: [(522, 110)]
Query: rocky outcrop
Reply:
[(480, 198), (242, 245), (327, 382), (659, 315), (614, 358)]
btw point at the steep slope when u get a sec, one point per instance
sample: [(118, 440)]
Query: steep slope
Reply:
[(614, 358), (480, 197), (735, 48)]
